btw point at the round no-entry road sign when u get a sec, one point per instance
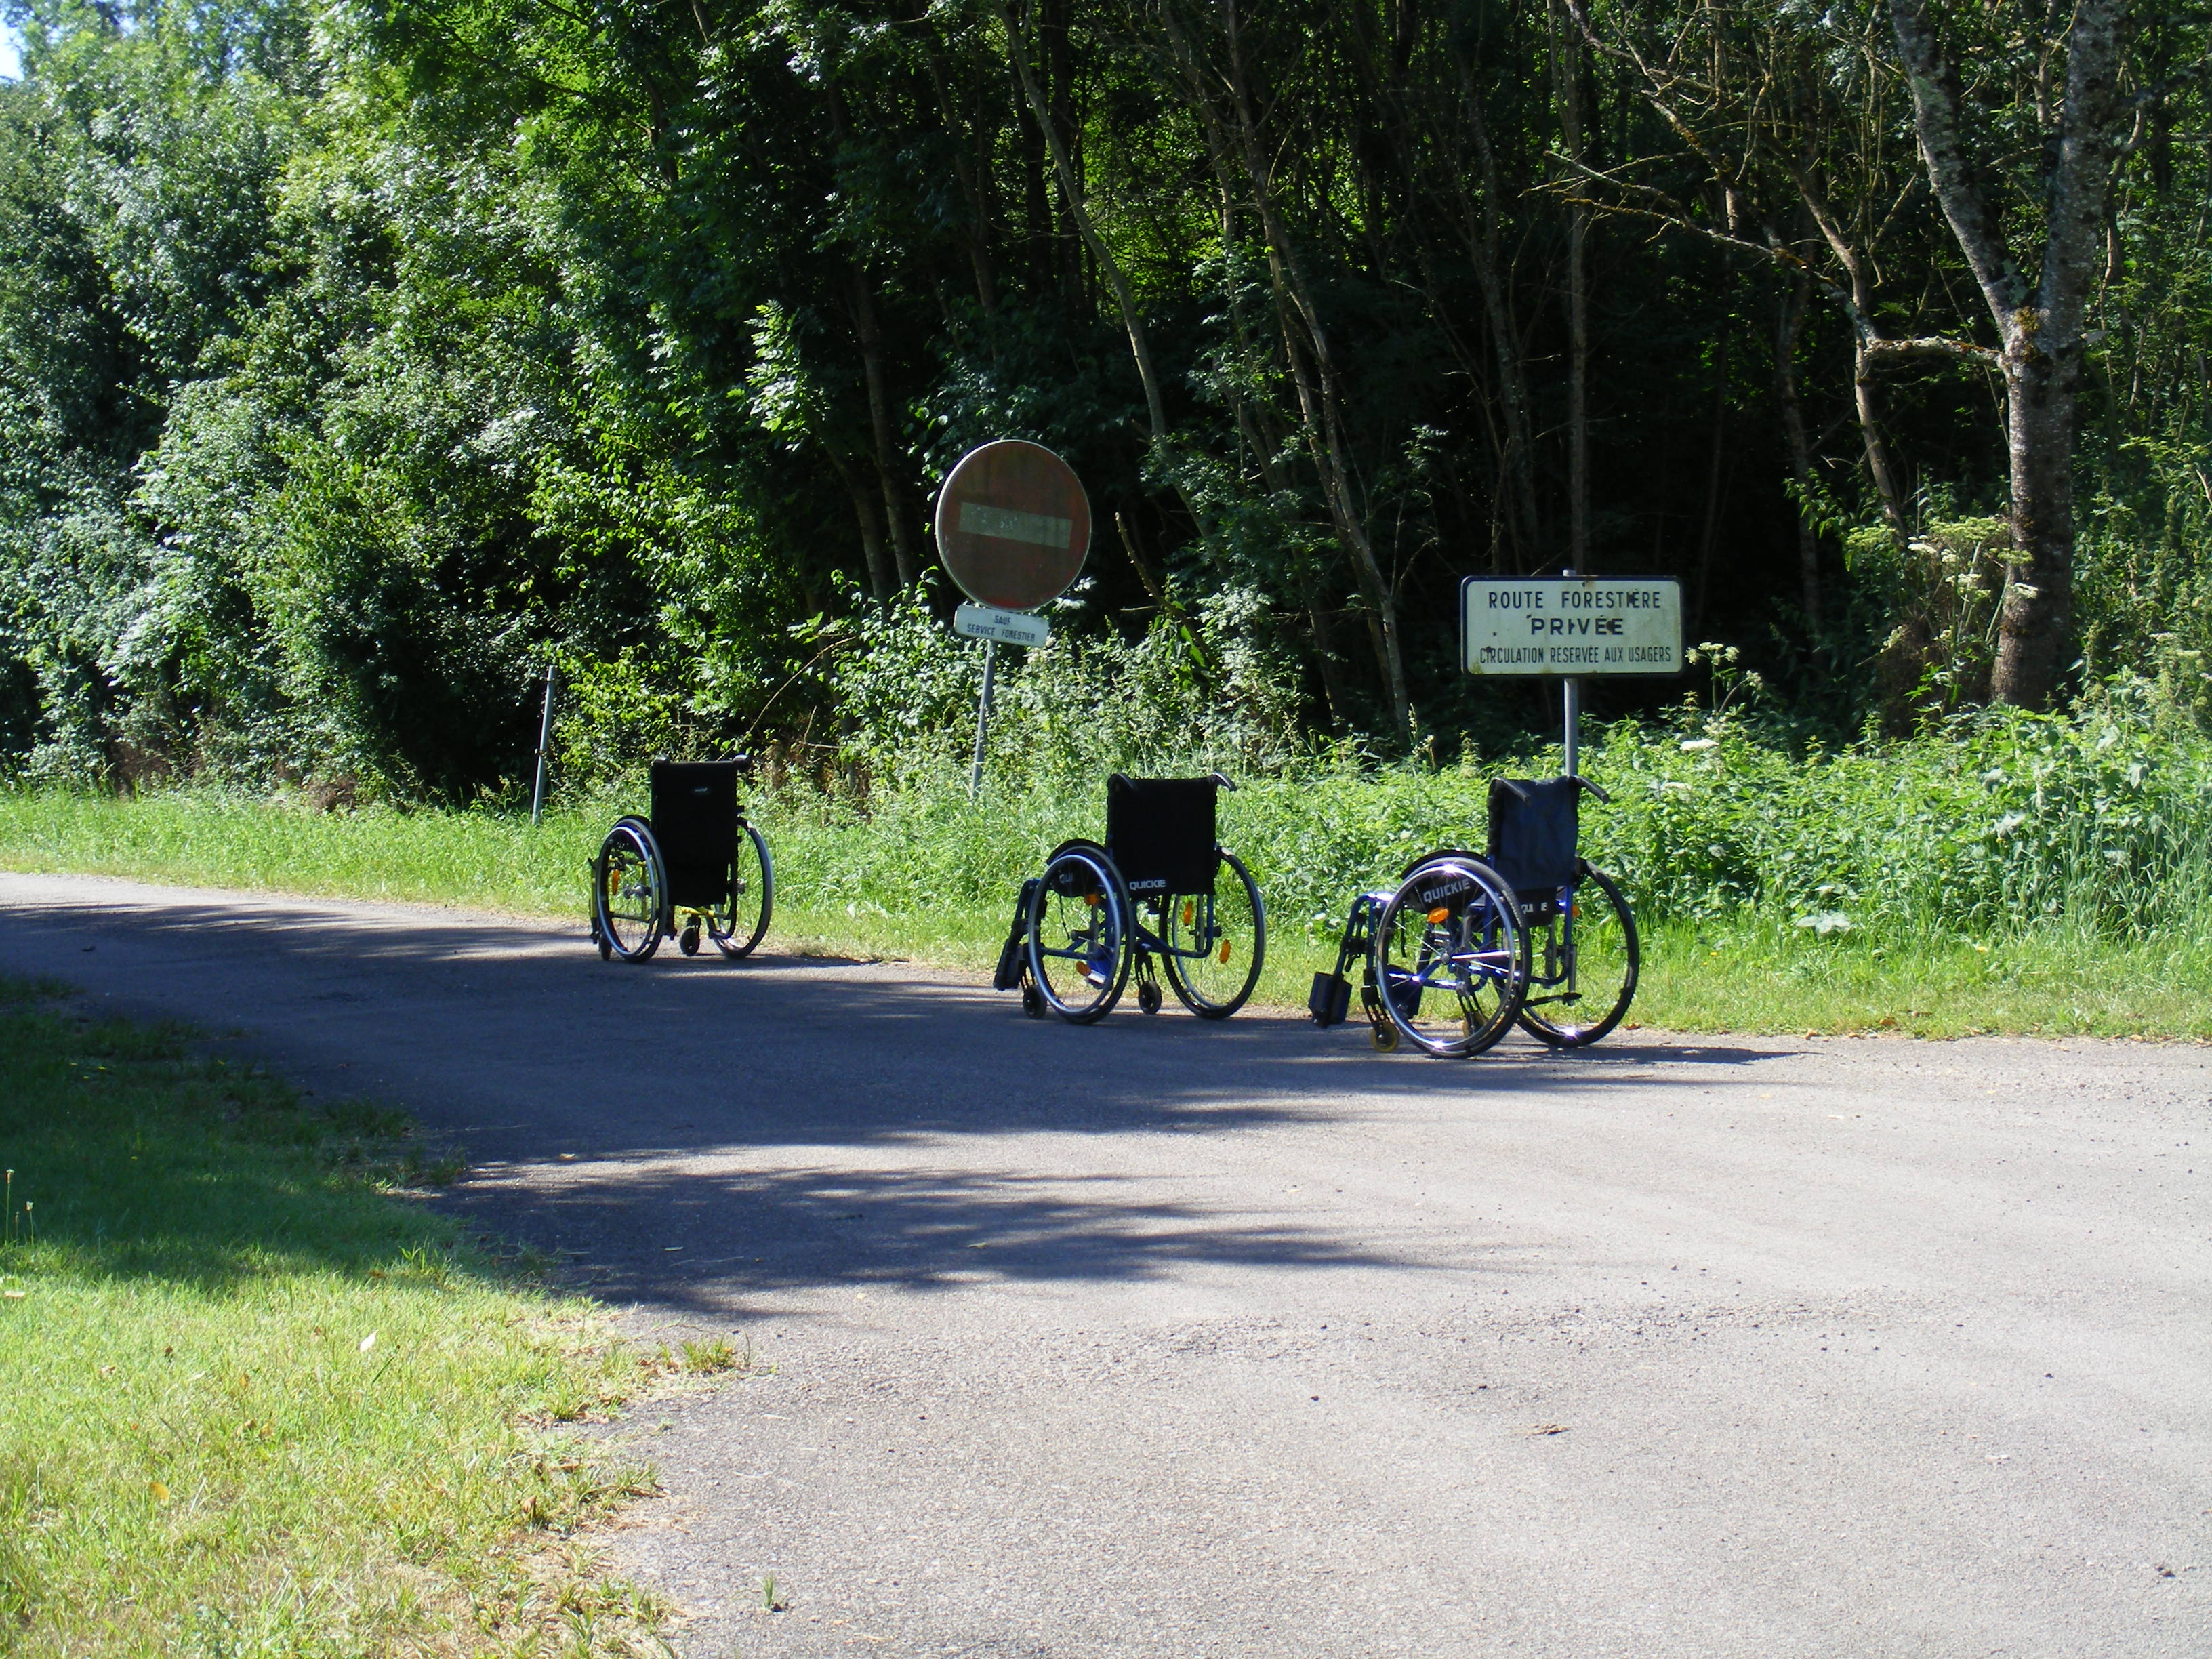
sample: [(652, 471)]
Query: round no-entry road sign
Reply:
[(1013, 525)]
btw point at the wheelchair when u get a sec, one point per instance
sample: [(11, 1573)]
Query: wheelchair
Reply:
[(1468, 945), (1161, 893), (695, 867)]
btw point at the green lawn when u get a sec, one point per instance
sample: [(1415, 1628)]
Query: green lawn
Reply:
[(905, 885), (260, 1402)]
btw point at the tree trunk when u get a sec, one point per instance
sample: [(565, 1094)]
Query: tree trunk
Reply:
[(1566, 68), (2041, 327), (1482, 241), (1320, 406), (889, 453), (1787, 334), (2042, 401), (1709, 527), (881, 583), (1109, 269)]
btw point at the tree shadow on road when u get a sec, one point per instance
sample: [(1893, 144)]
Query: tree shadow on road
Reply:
[(706, 1105)]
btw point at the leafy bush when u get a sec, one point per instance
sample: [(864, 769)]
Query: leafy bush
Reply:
[(2102, 817)]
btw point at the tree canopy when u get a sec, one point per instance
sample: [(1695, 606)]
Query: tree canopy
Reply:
[(358, 357)]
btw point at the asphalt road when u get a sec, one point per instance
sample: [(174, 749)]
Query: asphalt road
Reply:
[(1163, 1339)]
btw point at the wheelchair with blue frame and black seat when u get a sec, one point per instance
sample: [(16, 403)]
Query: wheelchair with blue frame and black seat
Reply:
[(695, 867), (1162, 893), (1468, 945)]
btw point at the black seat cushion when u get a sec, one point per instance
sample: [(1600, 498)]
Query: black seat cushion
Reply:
[(695, 819), (1533, 833), (1161, 833)]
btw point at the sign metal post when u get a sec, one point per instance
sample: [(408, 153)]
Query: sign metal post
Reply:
[(983, 718), (545, 742)]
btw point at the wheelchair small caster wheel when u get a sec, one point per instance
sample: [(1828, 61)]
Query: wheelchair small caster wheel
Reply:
[(1148, 996), (1386, 1037), (687, 941), (606, 950), (1032, 1001)]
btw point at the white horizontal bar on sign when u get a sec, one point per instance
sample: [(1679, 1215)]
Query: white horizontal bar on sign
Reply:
[(1037, 529), (979, 621)]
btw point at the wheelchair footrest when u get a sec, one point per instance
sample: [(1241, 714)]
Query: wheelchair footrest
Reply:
[(1330, 999), (1009, 974)]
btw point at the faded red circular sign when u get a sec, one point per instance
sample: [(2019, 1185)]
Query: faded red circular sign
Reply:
[(1013, 525)]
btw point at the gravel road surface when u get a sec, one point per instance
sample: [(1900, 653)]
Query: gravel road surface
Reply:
[(1164, 1338)]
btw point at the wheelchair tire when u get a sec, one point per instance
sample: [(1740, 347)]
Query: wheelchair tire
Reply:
[(1583, 963), (1078, 938), (629, 892), (1233, 924), (743, 918), (1451, 958)]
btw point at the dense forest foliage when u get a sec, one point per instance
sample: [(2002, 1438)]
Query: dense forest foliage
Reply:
[(358, 358)]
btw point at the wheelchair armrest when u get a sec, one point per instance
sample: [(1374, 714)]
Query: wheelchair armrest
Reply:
[(1594, 789), (1224, 780)]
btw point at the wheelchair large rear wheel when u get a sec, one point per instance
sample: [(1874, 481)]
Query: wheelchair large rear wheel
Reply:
[(1450, 957), (739, 922), (629, 892), (1079, 935), (1216, 942), (1583, 963)]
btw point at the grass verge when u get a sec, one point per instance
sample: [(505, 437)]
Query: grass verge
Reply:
[(256, 1402), (906, 887)]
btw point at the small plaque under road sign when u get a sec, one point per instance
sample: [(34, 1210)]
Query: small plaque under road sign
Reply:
[(978, 621), (1013, 526), (1571, 626)]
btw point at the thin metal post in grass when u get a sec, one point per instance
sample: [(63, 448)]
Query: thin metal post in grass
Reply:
[(983, 717), (1571, 711), (545, 742)]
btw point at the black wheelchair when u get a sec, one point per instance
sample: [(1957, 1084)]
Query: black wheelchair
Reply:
[(1468, 945), (694, 865), (1163, 892)]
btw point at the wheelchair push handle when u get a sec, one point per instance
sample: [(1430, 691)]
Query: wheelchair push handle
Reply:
[(1222, 780), (1521, 795), (743, 762)]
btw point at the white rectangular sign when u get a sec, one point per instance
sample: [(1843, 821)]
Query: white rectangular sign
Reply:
[(1571, 625), (979, 621), (1038, 529)]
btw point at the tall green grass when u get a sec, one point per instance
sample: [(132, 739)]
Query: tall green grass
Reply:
[(2011, 872)]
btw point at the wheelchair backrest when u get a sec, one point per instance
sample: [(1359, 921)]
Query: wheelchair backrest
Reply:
[(695, 819), (1160, 833), (1533, 828)]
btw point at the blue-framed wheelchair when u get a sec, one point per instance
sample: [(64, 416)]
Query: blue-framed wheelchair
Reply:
[(1162, 895), (695, 867), (1468, 945)]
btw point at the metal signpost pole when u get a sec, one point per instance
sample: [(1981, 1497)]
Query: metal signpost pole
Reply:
[(545, 742), (983, 717), (1572, 700)]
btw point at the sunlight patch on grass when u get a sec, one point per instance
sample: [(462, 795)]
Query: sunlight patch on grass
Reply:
[(256, 1405)]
